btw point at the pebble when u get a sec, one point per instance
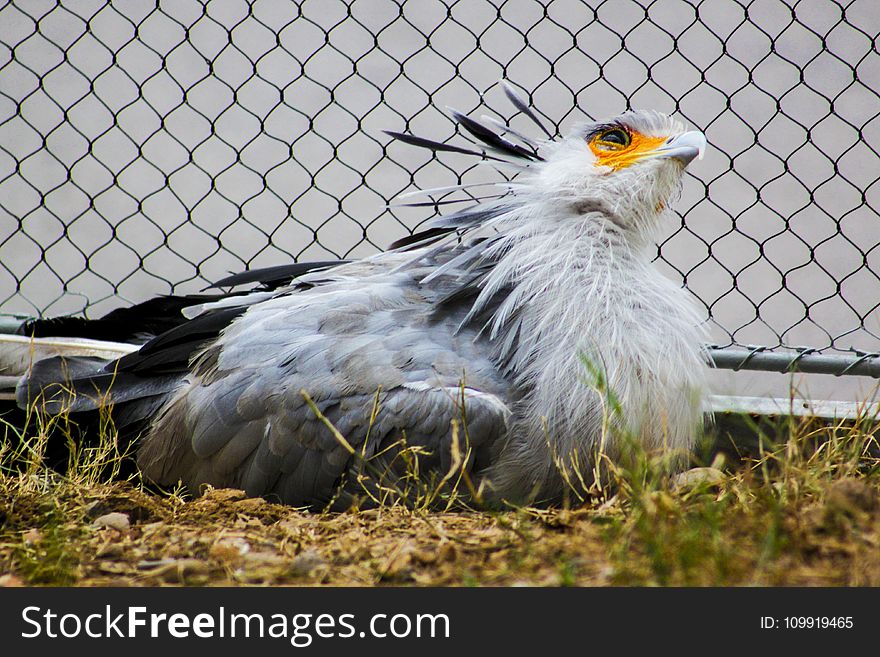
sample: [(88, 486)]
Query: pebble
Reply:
[(697, 476), (115, 520), (9, 580), (223, 495)]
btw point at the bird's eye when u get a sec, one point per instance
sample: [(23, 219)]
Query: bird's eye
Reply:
[(615, 139)]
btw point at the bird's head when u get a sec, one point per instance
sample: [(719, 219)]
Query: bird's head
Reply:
[(623, 172), (629, 168)]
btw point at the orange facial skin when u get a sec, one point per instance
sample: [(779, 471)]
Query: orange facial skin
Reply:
[(619, 156)]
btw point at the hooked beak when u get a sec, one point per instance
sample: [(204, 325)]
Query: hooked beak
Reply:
[(684, 148)]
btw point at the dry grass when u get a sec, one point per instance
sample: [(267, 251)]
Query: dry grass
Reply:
[(801, 511)]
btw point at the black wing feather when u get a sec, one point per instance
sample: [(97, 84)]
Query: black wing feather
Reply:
[(523, 107), (171, 351), (272, 278), (133, 324), (421, 238), (493, 139)]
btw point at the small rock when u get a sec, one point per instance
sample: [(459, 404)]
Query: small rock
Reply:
[(113, 567), (251, 504), (224, 494), (9, 580), (699, 476), (117, 521), (32, 536)]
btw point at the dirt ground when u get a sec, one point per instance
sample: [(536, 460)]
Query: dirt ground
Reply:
[(727, 528), (784, 503)]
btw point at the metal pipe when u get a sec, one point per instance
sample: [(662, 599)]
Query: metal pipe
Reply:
[(805, 361)]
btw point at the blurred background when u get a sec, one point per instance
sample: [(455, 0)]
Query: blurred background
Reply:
[(154, 147)]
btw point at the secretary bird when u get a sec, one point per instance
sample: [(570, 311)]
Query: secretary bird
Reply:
[(519, 340)]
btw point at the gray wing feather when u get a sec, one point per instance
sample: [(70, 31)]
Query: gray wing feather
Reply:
[(247, 423)]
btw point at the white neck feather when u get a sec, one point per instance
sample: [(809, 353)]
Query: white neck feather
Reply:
[(580, 290)]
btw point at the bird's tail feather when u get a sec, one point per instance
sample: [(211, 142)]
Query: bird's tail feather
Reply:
[(76, 384)]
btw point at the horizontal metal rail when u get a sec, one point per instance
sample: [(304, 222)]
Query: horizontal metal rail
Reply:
[(807, 361)]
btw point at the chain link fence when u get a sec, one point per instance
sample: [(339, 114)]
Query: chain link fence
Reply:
[(153, 147)]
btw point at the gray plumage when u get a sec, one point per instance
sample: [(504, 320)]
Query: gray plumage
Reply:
[(485, 322)]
